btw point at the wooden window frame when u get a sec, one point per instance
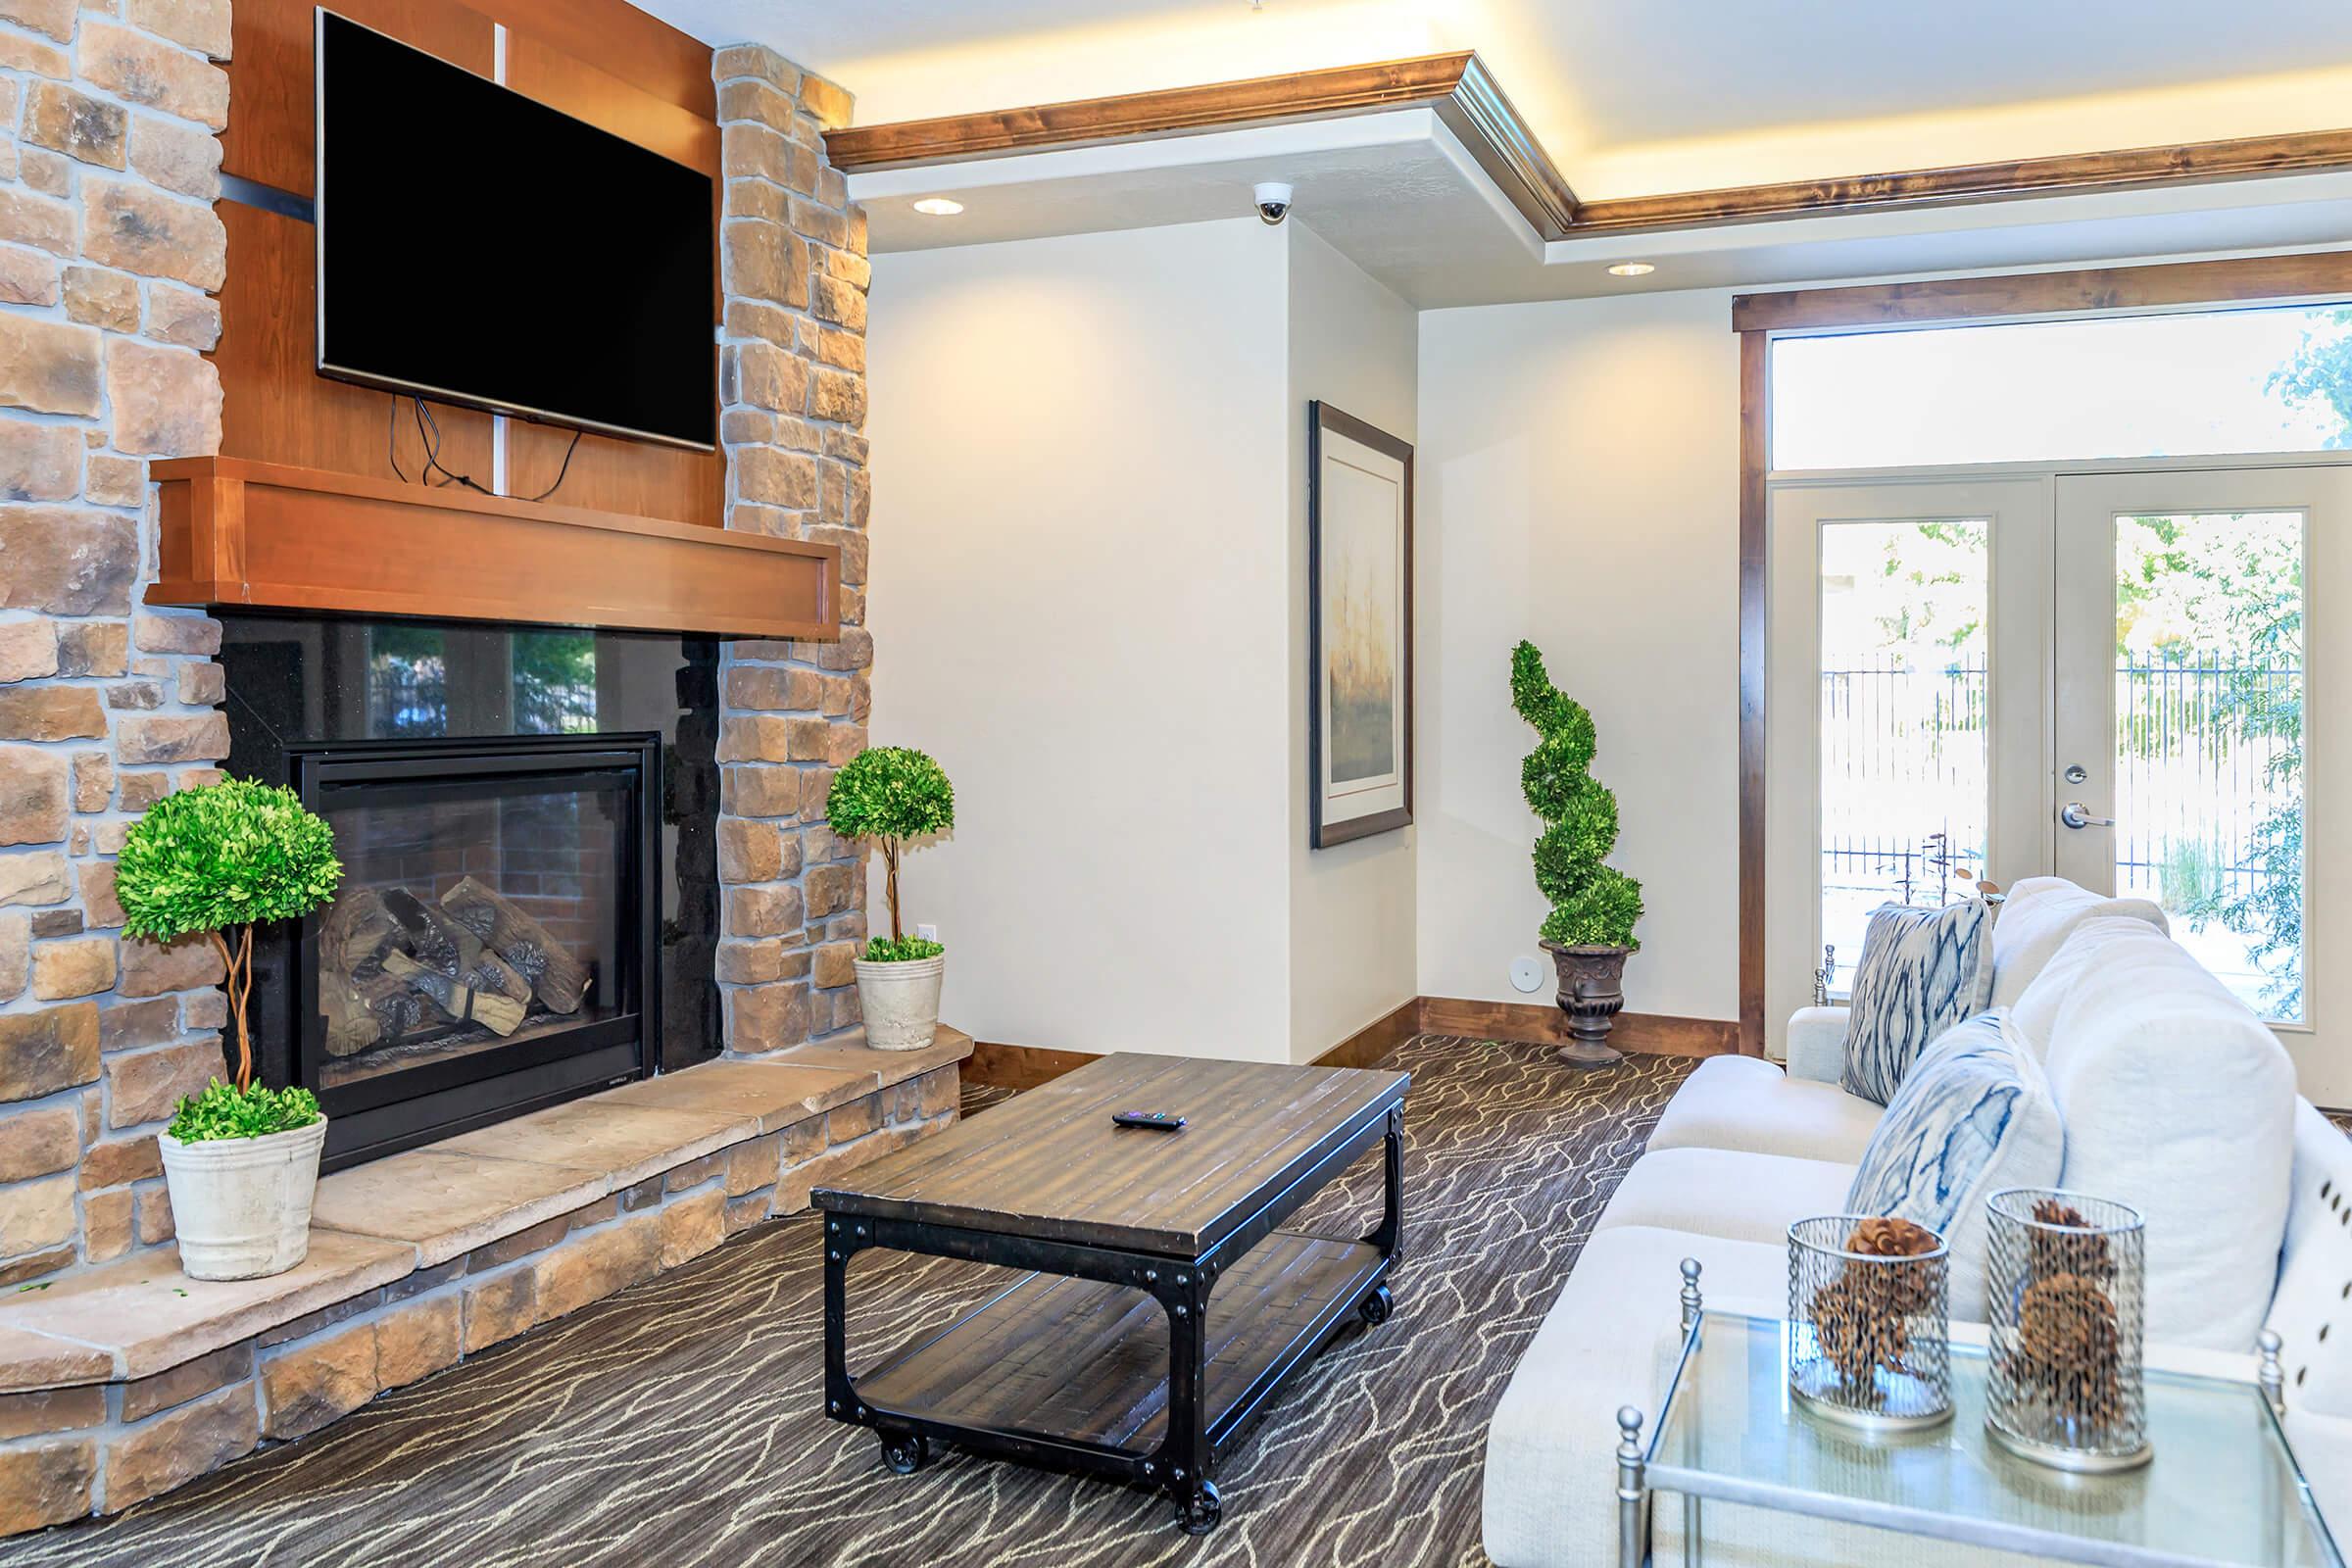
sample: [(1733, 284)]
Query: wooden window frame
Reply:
[(1759, 318)]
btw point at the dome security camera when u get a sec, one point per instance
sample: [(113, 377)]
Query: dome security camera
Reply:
[(1273, 202)]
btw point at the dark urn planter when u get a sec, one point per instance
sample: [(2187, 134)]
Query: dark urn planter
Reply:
[(1592, 995)]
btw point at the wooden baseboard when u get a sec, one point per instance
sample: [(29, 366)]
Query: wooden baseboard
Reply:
[(1656, 1033), (1003, 1067), (1659, 1034), (1376, 1039)]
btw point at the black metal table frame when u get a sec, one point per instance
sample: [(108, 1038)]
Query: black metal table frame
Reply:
[(1187, 1457)]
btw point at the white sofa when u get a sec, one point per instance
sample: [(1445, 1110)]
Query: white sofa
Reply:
[(2174, 1099)]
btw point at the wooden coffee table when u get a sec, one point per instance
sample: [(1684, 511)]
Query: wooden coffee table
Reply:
[(1162, 1308)]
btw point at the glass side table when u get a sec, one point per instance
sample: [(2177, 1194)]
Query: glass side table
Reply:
[(2224, 1490)]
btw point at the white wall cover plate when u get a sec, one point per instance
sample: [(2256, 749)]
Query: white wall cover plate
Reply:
[(1526, 974)]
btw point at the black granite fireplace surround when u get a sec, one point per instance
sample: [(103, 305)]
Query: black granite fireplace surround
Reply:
[(529, 811)]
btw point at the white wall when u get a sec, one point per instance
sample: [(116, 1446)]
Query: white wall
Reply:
[(1353, 918), (1080, 552), (1579, 485), (1088, 601)]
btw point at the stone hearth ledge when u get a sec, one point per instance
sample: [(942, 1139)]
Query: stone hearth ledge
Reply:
[(376, 1224)]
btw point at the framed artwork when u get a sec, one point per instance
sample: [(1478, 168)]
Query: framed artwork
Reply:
[(1359, 639)]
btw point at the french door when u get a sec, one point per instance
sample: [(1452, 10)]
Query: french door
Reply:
[(2124, 677)]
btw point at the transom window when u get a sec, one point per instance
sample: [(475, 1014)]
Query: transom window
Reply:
[(2140, 386)]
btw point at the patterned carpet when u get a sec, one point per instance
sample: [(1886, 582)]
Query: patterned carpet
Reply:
[(680, 1424)]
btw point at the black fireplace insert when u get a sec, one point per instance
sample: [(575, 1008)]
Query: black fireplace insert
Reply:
[(488, 948)]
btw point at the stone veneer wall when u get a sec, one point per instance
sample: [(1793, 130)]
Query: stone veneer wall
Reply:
[(108, 252), (792, 389), (98, 1447)]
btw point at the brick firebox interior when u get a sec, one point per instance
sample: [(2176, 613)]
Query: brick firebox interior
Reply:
[(135, 325)]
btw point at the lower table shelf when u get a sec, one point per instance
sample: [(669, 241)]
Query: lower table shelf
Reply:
[(1080, 1360)]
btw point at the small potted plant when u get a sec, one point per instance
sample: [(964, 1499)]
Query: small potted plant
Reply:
[(1589, 932), (241, 1161), (895, 793)]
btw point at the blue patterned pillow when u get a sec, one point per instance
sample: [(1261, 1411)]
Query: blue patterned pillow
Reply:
[(1974, 1115), (1922, 971)]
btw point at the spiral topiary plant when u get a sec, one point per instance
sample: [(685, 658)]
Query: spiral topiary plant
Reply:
[(1592, 906)]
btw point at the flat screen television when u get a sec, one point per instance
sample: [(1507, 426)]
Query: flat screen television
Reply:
[(481, 248)]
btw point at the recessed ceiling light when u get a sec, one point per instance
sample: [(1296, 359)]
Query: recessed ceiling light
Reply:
[(940, 207), (1632, 269)]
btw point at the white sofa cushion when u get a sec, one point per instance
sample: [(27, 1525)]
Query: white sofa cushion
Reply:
[(1816, 1044), (2313, 1310), (1974, 1115), (1718, 1192), (2178, 1101), (2040, 913), (1922, 971), (1610, 1339), (1746, 1102)]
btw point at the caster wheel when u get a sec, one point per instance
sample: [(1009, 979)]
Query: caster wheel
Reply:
[(1200, 1513), (906, 1453), (1377, 1306)]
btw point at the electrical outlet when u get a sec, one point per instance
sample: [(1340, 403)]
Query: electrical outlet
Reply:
[(929, 933)]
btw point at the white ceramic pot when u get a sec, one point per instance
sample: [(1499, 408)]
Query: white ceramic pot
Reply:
[(900, 1002), (241, 1206)]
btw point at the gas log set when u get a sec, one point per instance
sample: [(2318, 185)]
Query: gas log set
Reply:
[(396, 970)]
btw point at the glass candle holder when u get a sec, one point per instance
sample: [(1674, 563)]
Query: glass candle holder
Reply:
[(2067, 1276), (1867, 1340)]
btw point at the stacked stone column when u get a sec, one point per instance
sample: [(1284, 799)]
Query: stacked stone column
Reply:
[(791, 386), (110, 253)]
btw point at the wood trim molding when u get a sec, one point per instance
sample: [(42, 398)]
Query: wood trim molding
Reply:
[(1540, 1023), (1755, 462), (2253, 280), (1481, 114), (1376, 1039), (267, 535), (1138, 115), (1021, 1068), (2247, 281), (1464, 94), (2243, 158), (1459, 87)]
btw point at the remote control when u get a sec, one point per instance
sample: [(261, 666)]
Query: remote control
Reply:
[(1159, 1121)]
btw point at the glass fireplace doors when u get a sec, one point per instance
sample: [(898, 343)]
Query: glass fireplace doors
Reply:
[(490, 947)]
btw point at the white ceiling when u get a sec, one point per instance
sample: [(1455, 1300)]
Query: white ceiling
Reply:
[(1629, 98), (1635, 98), (1397, 194)]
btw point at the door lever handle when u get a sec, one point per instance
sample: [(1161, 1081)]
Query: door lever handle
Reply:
[(2073, 815)]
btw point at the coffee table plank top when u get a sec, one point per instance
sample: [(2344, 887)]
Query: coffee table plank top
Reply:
[(1049, 1163)]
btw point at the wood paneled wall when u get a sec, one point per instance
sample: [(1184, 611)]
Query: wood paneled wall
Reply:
[(602, 61)]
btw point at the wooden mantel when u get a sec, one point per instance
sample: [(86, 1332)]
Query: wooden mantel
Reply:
[(267, 536)]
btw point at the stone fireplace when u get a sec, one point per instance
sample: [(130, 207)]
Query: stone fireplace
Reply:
[(702, 761)]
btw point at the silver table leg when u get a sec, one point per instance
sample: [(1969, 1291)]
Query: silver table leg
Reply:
[(1690, 1532), (1632, 1495)]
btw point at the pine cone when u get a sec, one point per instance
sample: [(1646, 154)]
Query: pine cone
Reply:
[(2067, 1330), (1891, 1238), (1857, 1333), (2054, 1253), (1895, 1289), (2068, 1323)]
